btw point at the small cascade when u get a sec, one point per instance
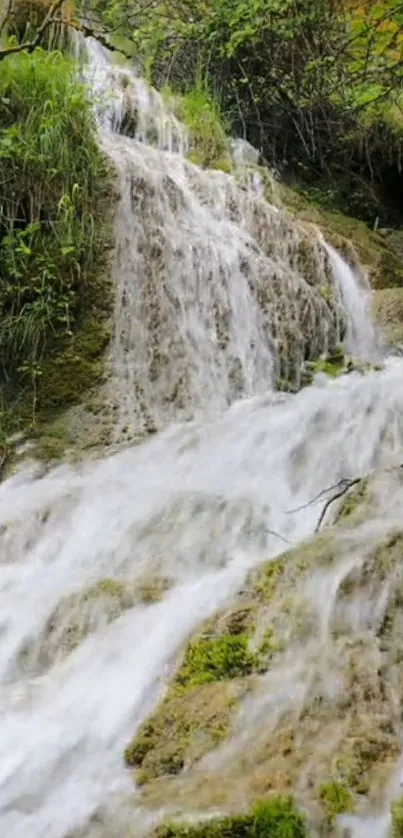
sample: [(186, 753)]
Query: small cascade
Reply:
[(361, 339)]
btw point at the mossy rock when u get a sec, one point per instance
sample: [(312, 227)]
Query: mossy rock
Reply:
[(388, 314), (216, 658), (378, 256), (276, 817), (354, 506), (76, 616), (185, 727), (396, 828)]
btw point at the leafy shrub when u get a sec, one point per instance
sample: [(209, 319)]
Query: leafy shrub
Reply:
[(53, 183)]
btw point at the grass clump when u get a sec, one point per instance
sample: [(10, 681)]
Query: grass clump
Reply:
[(396, 828), (277, 817), (210, 659), (336, 799), (208, 139), (54, 193)]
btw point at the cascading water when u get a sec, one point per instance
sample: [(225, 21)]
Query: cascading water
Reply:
[(212, 302)]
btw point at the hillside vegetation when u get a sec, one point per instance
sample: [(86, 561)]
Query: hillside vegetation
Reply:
[(315, 84)]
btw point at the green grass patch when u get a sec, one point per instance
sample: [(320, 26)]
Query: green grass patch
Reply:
[(396, 829), (207, 128), (336, 798), (55, 199), (277, 817), (210, 659)]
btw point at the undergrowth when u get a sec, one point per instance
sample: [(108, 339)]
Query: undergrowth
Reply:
[(200, 111), (53, 236)]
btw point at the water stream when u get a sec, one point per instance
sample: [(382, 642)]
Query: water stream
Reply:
[(204, 499)]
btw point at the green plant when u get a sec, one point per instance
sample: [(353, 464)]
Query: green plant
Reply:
[(336, 798), (208, 139), (53, 184), (276, 817), (215, 658), (396, 829)]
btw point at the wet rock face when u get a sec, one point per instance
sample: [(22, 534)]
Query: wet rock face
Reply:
[(218, 293), (317, 710), (388, 313)]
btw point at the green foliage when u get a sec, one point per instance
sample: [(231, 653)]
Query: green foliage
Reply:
[(276, 817), (336, 798), (315, 84), (214, 659), (201, 113), (396, 829), (53, 182)]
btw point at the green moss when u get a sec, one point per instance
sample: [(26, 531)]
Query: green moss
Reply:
[(214, 659), (396, 828), (184, 727), (388, 313), (376, 253), (333, 365), (222, 164), (361, 755), (267, 577), (353, 501), (336, 799), (276, 817)]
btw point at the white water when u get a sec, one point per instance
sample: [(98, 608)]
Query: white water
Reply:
[(198, 504), (361, 339)]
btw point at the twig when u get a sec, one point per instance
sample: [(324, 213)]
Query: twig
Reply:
[(343, 482), (277, 535), (343, 491)]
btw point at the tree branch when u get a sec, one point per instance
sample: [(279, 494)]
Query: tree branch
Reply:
[(30, 46), (348, 484)]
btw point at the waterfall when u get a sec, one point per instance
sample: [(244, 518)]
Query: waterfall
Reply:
[(217, 294)]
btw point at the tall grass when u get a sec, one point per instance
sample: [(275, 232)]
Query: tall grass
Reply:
[(201, 112), (52, 189)]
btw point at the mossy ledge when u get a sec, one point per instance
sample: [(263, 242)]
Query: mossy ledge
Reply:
[(276, 817), (334, 748), (379, 254)]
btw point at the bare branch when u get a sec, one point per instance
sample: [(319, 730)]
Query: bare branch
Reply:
[(348, 485)]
